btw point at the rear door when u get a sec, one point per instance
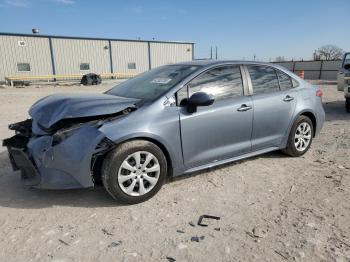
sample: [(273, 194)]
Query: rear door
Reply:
[(222, 130), (274, 100)]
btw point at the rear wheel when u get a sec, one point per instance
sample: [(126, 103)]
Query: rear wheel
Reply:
[(300, 137), (134, 171), (347, 105)]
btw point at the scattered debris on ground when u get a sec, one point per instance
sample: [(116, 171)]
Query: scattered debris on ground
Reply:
[(202, 217), (171, 259), (197, 239), (115, 244)]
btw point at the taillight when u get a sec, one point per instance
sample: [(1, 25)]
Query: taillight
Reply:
[(319, 93)]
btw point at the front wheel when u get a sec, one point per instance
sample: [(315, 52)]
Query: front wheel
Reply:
[(134, 171), (300, 137)]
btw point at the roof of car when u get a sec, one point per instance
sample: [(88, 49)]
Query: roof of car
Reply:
[(209, 62)]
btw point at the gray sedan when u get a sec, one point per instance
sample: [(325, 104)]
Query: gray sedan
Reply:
[(169, 121)]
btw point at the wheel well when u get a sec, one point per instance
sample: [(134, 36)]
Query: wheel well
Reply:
[(312, 118), (161, 146), (96, 164)]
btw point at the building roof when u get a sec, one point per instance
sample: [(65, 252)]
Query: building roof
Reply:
[(92, 38)]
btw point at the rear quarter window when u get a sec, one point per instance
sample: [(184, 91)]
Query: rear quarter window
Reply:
[(295, 83), (284, 80)]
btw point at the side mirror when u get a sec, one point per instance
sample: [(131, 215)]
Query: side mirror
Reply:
[(347, 66), (199, 99)]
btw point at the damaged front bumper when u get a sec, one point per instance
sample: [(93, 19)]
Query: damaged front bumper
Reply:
[(66, 165)]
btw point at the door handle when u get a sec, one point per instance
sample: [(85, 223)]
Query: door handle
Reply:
[(243, 108), (288, 98)]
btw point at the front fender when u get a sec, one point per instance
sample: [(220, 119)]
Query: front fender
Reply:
[(159, 125), (68, 164), (148, 136)]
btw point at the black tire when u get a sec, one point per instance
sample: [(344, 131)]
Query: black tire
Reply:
[(91, 79), (86, 80), (98, 80), (114, 160), (291, 149), (347, 105)]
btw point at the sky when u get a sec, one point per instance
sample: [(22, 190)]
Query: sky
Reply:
[(267, 29)]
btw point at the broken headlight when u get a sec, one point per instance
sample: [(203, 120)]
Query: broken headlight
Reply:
[(63, 134)]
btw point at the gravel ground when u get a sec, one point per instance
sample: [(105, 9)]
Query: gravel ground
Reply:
[(272, 207)]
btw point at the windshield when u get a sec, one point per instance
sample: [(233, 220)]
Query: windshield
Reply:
[(154, 83)]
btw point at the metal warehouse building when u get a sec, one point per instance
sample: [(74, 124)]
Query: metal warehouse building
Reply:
[(35, 55)]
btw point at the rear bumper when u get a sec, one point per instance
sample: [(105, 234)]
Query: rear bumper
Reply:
[(63, 166), (320, 119)]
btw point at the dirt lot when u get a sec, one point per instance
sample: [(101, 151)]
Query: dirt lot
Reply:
[(272, 207)]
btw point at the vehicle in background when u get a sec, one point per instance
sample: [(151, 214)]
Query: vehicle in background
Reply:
[(169, 121), (344, 80)]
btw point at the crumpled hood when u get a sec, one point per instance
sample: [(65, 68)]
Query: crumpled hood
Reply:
[(51, 109)]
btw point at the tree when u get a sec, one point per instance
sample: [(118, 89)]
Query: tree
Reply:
[(280, 59), (329, 52)]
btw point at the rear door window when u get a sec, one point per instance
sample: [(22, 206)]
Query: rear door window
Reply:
[(264, 79)]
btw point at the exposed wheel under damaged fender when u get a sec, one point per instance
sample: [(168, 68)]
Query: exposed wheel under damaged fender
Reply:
[(134, 171)]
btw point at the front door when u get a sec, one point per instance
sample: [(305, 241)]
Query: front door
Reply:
[(222, 130)]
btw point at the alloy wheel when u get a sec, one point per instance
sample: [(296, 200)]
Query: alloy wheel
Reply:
[(139, 173), (302, 136)]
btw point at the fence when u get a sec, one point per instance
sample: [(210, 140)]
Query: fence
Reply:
[(314, 70)]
